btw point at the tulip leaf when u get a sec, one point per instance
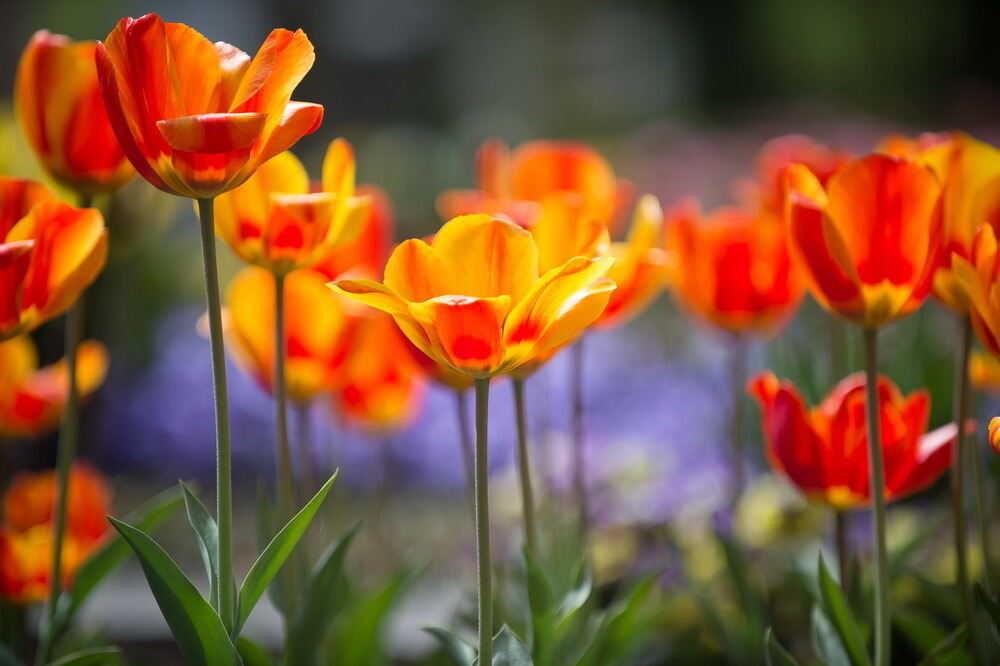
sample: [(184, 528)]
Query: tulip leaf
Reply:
[(252, 653), (541, 601), (207, 533), (197, 628), (943, 652), (459, 649), (775, 653), (276, 553), (324, 596), (840, 615), (361, 629), (826, 643), (101, 656), (508, 650), (109, 556), (621, 625)]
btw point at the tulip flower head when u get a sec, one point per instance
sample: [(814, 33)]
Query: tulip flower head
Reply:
[(733, 267), (31, 398), (474, 299), (768, 191), (824, 450), (868, 240), (318, 332), (977, 277), (994, 430), (60, 109), (50, 254), (274, 221), (27, 533), (196, 119), (984, 372), (365, 254)]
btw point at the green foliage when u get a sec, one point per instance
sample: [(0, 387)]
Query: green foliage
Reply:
[(103, 656), (774, 653), (207, 533), (836, 609)]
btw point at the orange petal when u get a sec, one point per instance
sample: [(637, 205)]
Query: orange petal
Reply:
[(279, 66), (297, 120), (212, 132), (465, 332), (563, 231), (994, 431)]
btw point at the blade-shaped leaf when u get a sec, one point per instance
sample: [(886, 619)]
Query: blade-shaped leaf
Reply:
[(252, 653), (197, 628), (840, 615), (622, 623), (364, 624), (541, 602), (457, 647), (322, 599), (270, 561), (826, 642), (508, 650), (775, 653), (946, 648), (207, 533), (93, 657)]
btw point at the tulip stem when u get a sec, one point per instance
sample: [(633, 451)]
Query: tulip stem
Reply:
[(579, 462), (305, 452), (843, 549), (483, 553), (883, 614), (737, 371), (223, 443), (958, 468), (524, 469), (982, 517), (468, 452)]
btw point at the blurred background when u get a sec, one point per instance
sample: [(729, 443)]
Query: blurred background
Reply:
[(679, 96)]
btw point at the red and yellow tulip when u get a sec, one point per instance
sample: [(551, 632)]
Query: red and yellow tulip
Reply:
[(474, 299), (31, 398), (318, 331), (733, 267), (994, 431), (50, 254), (195, 118), (868, 240), (824, 450), (768, 190), (275, 221), (977, 277), (59, 106), (365, 254), (984, 371)]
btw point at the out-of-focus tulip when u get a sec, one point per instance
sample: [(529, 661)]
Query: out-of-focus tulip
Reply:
[(60, 109), (381, 386), (994, 430), (31, 398), (900, 145), (868, 241), (824, 450), (733, 267), (195, 118), (274, 221), (978, 277), (27, 534), (50, 255), (365, 254), (473, 299), (984, 372), (317, 330), (515, 184), (769, 189)]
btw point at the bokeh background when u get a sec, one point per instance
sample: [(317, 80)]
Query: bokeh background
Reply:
[(678, 95)]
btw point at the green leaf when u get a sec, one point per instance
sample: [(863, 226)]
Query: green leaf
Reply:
[(839, 614), (990, 604), (541, 602), (457, 647), (622, 624), (109, 556), (323, 597), (826, 642), (93, 657), (363, 626), (774, 652), (252, 653), (207, 533), (197, 628), (508, 650), (944, 650), (274, 556)]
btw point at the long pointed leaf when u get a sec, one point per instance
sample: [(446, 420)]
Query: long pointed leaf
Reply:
[(207, 533), (508, 650), (840, 615), (775, 653), (457, 647), (274, 556), (197, 628), (93, 657)]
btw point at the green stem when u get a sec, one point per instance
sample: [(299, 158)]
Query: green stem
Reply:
[(883, 613), (524, 469), (483, 553), (467, 446), (305, 452), (579, 463), (982, 517), (736, 372), (843, 550), (223, 443)]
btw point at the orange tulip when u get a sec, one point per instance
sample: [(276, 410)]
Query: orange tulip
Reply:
[(978, 277), (900, 145), (274, 221), (60, 109), (984, 372), (31, 398), (474, 299), (27, 535), (733, 267), (365, 254), (195, 118), (381, 386), (868, 240), (50, 255), (995, 433), (769, 189), (318, 331), (824, 450)]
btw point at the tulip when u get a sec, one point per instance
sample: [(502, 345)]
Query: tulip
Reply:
[(474, 300), (31, 398), (995, 434), (364, 255), (868, 242), (196, 119), (768, 191), (59, 106), (984, 372)]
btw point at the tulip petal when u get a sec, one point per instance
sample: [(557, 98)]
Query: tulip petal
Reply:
[(417, 272), (465, 332), (212, 133), (297, 120), (279, 65)]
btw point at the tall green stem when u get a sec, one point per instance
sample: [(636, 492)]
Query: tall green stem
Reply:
[(579, 462), (283, 454), (524, 469), (483, 554), (305, 452), (843, 550), (883, 613), (982, 517), (223, 442), (736, 372), (468, 452)]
